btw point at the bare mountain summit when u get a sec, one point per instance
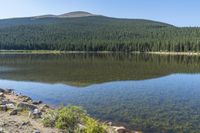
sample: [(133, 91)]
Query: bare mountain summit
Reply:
[(76, 14), (68, 15)]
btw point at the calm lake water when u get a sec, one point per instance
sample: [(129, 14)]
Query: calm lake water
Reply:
[(125, 88)]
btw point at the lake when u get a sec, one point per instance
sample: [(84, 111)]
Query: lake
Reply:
[(153, 93)]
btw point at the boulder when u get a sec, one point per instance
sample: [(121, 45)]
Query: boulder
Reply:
[(25, 98), (27, 106), (36, 113)]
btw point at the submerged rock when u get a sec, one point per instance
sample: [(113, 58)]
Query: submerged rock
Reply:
[(37, 102), (120, 129)]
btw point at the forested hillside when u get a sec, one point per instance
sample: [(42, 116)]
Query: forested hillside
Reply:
[(96, 33)]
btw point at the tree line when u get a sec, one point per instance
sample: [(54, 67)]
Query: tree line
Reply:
[(98, 34)]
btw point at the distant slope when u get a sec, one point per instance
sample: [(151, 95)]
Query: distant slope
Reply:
[(88, 32)]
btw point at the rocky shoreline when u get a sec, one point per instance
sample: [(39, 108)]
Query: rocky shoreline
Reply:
[(21, 114)]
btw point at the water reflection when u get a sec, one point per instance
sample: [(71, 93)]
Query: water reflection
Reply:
[(85, 69)]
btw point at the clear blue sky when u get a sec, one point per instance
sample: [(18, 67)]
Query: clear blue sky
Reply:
[(177, 12)]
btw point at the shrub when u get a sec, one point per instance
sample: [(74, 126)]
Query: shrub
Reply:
[(70, 118), (50, 119), (92, 126)]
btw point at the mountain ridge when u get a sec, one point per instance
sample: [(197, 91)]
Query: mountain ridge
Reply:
[(68, 16), (76, 14)]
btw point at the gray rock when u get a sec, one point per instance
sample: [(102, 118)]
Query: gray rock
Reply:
[(36, 102), (14, 112), (4, 102), (36, 131), (2, 90), (36, 113), (1, 130), (11, 106), (8, 91), (3, 108), (25, 98), (1, 94), (26, 123), (27, 106), (44, 108), (120, 129)]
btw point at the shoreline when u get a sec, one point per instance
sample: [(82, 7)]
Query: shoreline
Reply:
[(175, 53), (52, 52), (93, 52), (20, 113)]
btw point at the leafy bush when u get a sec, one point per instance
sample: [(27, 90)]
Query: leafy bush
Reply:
[(92, 126), (70, 118)]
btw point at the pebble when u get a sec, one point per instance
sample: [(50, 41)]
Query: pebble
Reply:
[(1, 130), (36, 131)]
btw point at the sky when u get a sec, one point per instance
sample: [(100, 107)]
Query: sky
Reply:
[(176, 12)]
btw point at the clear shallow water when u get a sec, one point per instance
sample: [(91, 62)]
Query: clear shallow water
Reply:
[(149, 93), (121, 100)]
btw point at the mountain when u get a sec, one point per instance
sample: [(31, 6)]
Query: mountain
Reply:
[(83, 31)]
